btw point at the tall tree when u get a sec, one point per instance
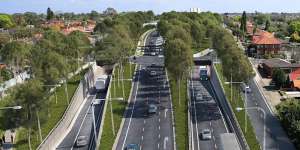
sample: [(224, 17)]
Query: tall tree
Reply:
[(243, 22), (267, 25), (50, 14)]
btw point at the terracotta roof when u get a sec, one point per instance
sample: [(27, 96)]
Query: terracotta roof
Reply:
[(296, 84), (265, 38), (295, 75)]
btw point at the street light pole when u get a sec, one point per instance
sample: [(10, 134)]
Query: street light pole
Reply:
[(97, 101), (245, 100), (262, 110), (11, 107)]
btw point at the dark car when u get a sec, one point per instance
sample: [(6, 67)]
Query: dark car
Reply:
[(132, 147)]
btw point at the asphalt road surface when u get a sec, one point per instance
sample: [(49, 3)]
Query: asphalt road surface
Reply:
[(205, 114), (149, 131), (276, 138), (84, 124)]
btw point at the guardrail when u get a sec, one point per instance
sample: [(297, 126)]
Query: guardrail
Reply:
[(230, 117)]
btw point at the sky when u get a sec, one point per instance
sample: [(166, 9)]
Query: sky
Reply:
[(158, 6)]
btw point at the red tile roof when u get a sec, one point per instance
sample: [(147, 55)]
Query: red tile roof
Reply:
[(295, 75), (265, 38)]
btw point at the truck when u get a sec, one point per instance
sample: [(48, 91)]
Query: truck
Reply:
[(204, 72), (101, 83)]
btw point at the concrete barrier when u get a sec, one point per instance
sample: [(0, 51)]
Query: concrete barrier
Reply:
[(62, 127)]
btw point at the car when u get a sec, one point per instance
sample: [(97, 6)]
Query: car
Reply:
[(152, 109), (206, 134), (132, 147), (81, 141), (152, 53), (198, 97), (245, 88), (152, 73)]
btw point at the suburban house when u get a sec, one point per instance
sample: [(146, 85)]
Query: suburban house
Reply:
[(294, 78), (262, 42), (276, 63)]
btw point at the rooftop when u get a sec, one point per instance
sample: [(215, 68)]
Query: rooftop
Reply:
[(279, 63)]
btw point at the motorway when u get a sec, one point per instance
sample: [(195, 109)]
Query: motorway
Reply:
[(205, 114), (276, 138), (83, 125), (150, 132)]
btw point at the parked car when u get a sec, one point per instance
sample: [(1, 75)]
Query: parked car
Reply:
[(132, 147), (206, 134), (81, 141), (152, 53)]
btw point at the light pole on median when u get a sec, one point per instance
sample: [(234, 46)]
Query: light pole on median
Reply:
[(257, 108), (245, 101), (97, 101), (11, 107)]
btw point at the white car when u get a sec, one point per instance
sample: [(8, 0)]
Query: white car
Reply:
[(206, 134), (81, 141), (152, 73), (152, 53)]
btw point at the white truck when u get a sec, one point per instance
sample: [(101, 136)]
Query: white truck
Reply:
[(101, 83)]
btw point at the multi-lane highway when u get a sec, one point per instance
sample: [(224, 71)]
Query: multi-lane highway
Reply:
[(83, 125), (205, 114), (149, 131)]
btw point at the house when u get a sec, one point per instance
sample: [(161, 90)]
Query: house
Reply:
[(294, 78), (275, 63), (262, 42)]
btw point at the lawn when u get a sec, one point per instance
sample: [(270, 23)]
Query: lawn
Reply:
[(237, 101), (180, 113), (118, 107), (50, 116)]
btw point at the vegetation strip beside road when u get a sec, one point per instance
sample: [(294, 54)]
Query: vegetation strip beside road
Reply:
[(180, 108), (237, 101), (118, 107), (49, 117)]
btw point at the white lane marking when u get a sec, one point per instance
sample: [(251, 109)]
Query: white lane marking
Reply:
[(144, 121), (166, 139), (159, 136), (159, 113), (143, 129), (158, 127), (137, 87), (80, 126), (158, 145), (159, 120), (216, 146), (142, 137), (166, 110), (195, 115)]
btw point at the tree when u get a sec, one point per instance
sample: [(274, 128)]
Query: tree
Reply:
[(267, 25), (93, 15), (30, 97), (294, 26), (4, 39), (50, 14), (19, 19), (6, 21), (16, 54), (243, 22), (279, 77)]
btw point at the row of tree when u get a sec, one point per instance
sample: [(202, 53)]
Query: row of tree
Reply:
[(119, 35), (289, 115), (49, 61), (184, 31)]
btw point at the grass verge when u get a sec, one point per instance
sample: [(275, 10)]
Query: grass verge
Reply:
[(118, 107), (180, 108), (50, 116), (237, 101)]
